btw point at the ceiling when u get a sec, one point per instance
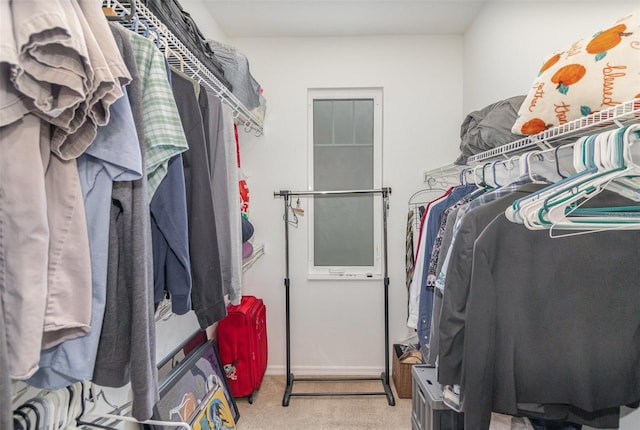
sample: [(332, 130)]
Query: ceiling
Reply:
[(326, 18)]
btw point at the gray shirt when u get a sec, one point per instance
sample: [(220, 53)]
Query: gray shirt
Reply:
[(127, 345)]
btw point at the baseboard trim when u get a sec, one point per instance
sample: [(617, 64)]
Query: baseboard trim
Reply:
[(326, 370)]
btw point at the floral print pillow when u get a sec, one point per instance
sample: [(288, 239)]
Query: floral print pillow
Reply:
[(594, 73)]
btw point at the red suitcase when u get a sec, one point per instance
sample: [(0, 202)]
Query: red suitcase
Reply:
[(242, 344)]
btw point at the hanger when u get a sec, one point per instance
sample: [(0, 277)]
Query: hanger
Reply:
[(35, 411), (413, 201), (539, 157), (602, 161), (87, 386), (153, 34), (168, 53), (294, 215), (176, 424), (89, 417), (17, 425), (508, 164), (25, 418), (47, 417), (530, 211), (608, 161), (580, 157), (76, 403), (51, 405), (477, 178), (494, 172), (136, 22), (463, 176), (126, 16), (557, 160), (484, 182), (523, 210), (620, 160), (247, 126)]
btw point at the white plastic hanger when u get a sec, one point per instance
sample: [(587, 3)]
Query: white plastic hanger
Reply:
[(90, 415), (606, 160), (625, 144), (588, 159), (581, 155)]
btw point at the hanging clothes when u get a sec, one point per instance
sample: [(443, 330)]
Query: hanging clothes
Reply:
[(55, 69), (451, 230), (88, 114), (235, 216), (68, 69), (126, 351), (430, 353), (432, 225), (409, 261), (24, 257), (113, 156), (415, 288), (236, 69), (555, 300), (220, 160), (163, 132), (68, 311), (170, 238), (456, 291), (207, 291)]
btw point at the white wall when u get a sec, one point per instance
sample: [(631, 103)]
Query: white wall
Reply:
[(337, 327), (507, 44), (206, 22), (509, 41)]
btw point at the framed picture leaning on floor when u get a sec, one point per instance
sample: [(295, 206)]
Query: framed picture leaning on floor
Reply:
[(196, 392)]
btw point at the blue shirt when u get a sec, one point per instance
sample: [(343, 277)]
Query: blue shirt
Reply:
[(114, 155), (170, 238), (432, 225)]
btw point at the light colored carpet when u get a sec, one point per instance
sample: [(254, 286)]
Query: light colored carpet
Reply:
[(322, 413)]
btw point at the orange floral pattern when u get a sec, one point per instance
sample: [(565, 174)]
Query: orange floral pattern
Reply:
[(589, 75)]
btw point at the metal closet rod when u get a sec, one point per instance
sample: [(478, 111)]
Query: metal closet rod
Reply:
[(282, 193)]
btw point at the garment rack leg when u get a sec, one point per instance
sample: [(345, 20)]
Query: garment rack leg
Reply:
[(384, 377)]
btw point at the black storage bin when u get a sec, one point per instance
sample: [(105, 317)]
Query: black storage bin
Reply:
[(429, 411), (182, 25)]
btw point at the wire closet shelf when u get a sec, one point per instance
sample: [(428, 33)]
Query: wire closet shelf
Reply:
[(180, 57), (610, 117), (615, 116)]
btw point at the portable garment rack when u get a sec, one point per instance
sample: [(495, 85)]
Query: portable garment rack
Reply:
[(384, 377)]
